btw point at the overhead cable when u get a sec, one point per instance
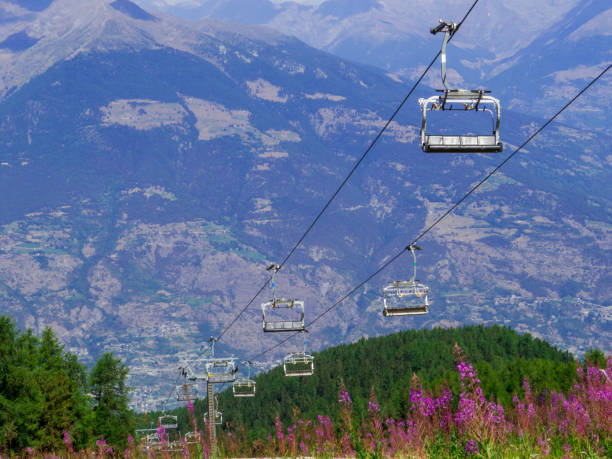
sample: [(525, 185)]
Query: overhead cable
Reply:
[(346, 179), (444, 215)]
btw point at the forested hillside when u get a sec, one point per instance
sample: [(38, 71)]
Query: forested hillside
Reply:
[(502, 357), (440, 392)]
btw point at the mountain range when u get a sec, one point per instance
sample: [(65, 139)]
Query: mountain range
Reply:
[(555, 45), (152, 167)]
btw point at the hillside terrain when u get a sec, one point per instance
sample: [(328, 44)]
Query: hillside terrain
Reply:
[(502, 358), (151, 168), (531, 54)]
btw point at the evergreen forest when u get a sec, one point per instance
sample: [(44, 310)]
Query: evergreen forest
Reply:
[(51, 402), (472, 391), (502, 357)]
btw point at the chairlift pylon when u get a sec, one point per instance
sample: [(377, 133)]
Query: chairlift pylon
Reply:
[(475, 100), (244, 387), (299, 363), (401, 298), (271, 310)]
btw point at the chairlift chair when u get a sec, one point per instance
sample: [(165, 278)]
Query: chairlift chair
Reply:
[(168, 421), (402, 298), (220, 371), (152, 440), (299, 363), (148, 438), (193, 438), (475, 100), (175, 446), (244, 387), (275, 311), (218, 417), (218, 414)]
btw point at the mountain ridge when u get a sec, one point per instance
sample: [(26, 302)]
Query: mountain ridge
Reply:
[(150, 181)]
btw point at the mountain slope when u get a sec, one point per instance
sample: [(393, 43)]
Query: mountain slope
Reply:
[(153, 167), (532, 54), (502, 358)]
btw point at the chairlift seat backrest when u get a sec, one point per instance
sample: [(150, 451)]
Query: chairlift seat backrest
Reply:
[(221, 378), (402, 298), (244, 387), (272, 323), (298, 364), (168, 421), (463, 100), (218, 417)]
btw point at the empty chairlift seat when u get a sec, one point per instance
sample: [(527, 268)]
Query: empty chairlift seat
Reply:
[(283, 315), (220, 371), (218, 418), (402, 298), (168, 421), (243, 387), (439, 140), (298, 364), (463, 100)]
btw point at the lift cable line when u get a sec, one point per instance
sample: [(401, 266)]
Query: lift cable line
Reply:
[(444, 215), (350, 174), (172, 392)]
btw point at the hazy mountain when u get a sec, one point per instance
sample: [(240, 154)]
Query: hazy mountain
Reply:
[(151, 167), (556, 44)]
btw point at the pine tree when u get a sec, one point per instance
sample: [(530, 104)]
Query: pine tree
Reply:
[(112, 418)]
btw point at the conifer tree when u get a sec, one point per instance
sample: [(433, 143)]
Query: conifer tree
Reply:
[(112, 418)]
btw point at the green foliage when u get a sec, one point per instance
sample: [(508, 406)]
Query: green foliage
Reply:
[(112, 418), (44, 394), (502, 357), (595, 358), (42, 391)]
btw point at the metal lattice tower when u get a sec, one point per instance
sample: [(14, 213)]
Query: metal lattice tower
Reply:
[(212, 433)]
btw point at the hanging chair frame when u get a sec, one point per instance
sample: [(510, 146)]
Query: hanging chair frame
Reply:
[(299, 363), (406, 291), (275, 325), (244, 387), (463, 100)]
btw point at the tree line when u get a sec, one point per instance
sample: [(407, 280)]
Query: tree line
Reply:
[(49, 401), (502, 357)]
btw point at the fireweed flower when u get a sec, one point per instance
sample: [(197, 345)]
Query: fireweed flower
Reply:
[(344, 397), (471, 448), (101, 444), (68, 441)]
